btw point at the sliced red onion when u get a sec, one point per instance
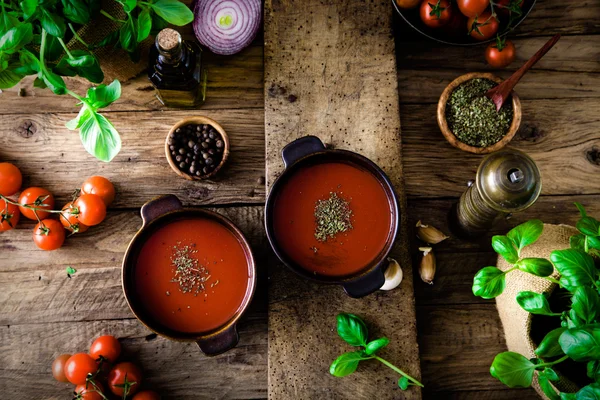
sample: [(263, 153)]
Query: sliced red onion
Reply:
[(227, 26)]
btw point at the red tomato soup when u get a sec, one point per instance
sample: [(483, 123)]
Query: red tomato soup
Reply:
[(192, 275), (338, 186)]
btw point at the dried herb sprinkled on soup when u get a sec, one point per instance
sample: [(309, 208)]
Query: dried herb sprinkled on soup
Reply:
[(189, 273), (332, 216), (472, 117)]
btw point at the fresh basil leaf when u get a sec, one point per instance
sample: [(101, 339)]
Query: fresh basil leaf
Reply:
[(346, 363), (71, 270), (586, 304), (573, 320), (593, 370), (144, 25), (505, 247), (28, 63), (127, 36), (589, 392), (534, 303), (567, 396), (9, 79), (581, 209), (488, 283), (577, 242), (512, 369), (173, 11), (352, 329), (54, 83), (550, 374), (17, 37), (588, 226), (53, 24), (576, 268), (102, 96), (99, 137), (83, 115), (536, 266), (54, 49), (526, 233), (403, 383), (92, 72), (29, 7), (77, 11), (593, 242), (376, 345), (39, 83), (547, 387), (581, 344), (549, 347), (110, 39), (128, 5), (84, 60), (158, 24), (7, 22)]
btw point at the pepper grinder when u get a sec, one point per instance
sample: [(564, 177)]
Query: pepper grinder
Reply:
[(507, 181)]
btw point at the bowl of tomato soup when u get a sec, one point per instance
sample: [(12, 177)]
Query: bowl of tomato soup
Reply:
[(332, 216), (189, 274)]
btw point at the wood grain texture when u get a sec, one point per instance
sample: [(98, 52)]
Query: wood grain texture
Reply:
[(330, 71)]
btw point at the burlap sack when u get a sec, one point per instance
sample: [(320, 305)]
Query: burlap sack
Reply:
[(516, 321), (115, 63)]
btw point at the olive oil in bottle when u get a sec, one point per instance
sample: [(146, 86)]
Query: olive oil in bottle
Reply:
[(176, 70)]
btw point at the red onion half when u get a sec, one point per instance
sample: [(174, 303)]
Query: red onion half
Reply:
[(227, 26)]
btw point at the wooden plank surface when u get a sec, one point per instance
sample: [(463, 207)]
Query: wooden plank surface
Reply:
[(337, 61)]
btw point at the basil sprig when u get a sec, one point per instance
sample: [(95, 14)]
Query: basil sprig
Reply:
[(578, 338), (353, 331)]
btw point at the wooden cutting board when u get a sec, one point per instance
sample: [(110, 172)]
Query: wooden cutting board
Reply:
[(330, 71)]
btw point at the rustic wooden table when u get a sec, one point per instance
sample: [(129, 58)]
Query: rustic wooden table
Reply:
[(43, 313)]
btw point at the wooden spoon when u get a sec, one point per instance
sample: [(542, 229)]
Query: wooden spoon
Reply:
[(500, 93)]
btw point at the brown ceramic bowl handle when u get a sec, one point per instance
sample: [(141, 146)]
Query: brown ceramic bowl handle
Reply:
[(220, 343), (159, 206), (300, 148), (368, 283)]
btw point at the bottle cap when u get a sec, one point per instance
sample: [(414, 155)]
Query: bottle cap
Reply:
[(168, 41)]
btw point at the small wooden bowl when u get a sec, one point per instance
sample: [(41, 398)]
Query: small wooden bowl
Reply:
[(452, 139), (197, 121)]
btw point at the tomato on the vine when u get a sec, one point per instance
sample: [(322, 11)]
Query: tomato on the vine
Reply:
[(49, 234), (58, 367), (483, 27), (100, 186), (124, 377), (435, 13), (92, 209), (37, 197), (146, 395), (505, 7), (70, 219), (78, 366), (87, 391), (472, 8), (106, 346), (10, 179), (500, 54), (9, 216)]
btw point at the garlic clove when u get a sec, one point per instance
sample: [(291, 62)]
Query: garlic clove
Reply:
[(430, 234), (393, 275), (428, 265)]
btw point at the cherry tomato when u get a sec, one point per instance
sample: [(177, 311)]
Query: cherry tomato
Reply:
[(106, 346), (503, 6), (49, 234), (89, 392), (78, 366), (58, 367), (122, 371), (100, 186), (36, 197), (146, 395), (499, 55), (70, 219), (472, 8), (9, 216), (408, 3), (435, 13), (10, 179), (484, 27), (92, 209)]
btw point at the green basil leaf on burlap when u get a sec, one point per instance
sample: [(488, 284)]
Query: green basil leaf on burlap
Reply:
[(581, 344), (512, 369), (547, 387), (144, 25), (90, 70), (577, 242), (534, 303), (589, 226), (549, 347), (589, 392), (536, 266), (593, 370), (352, 329), (576, 268), (505, 247), (488, 283), (77, 11), (99, 136), (9, 79), (127, 36), (403, 383), (54, 24), (375, 345), (526, 233), (346, 363), (17, 37), (54, 83), (103, 95), (83, 60), (586, 303), (173, 11)]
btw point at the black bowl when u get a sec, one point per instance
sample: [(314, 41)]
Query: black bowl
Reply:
[(412, 18)]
